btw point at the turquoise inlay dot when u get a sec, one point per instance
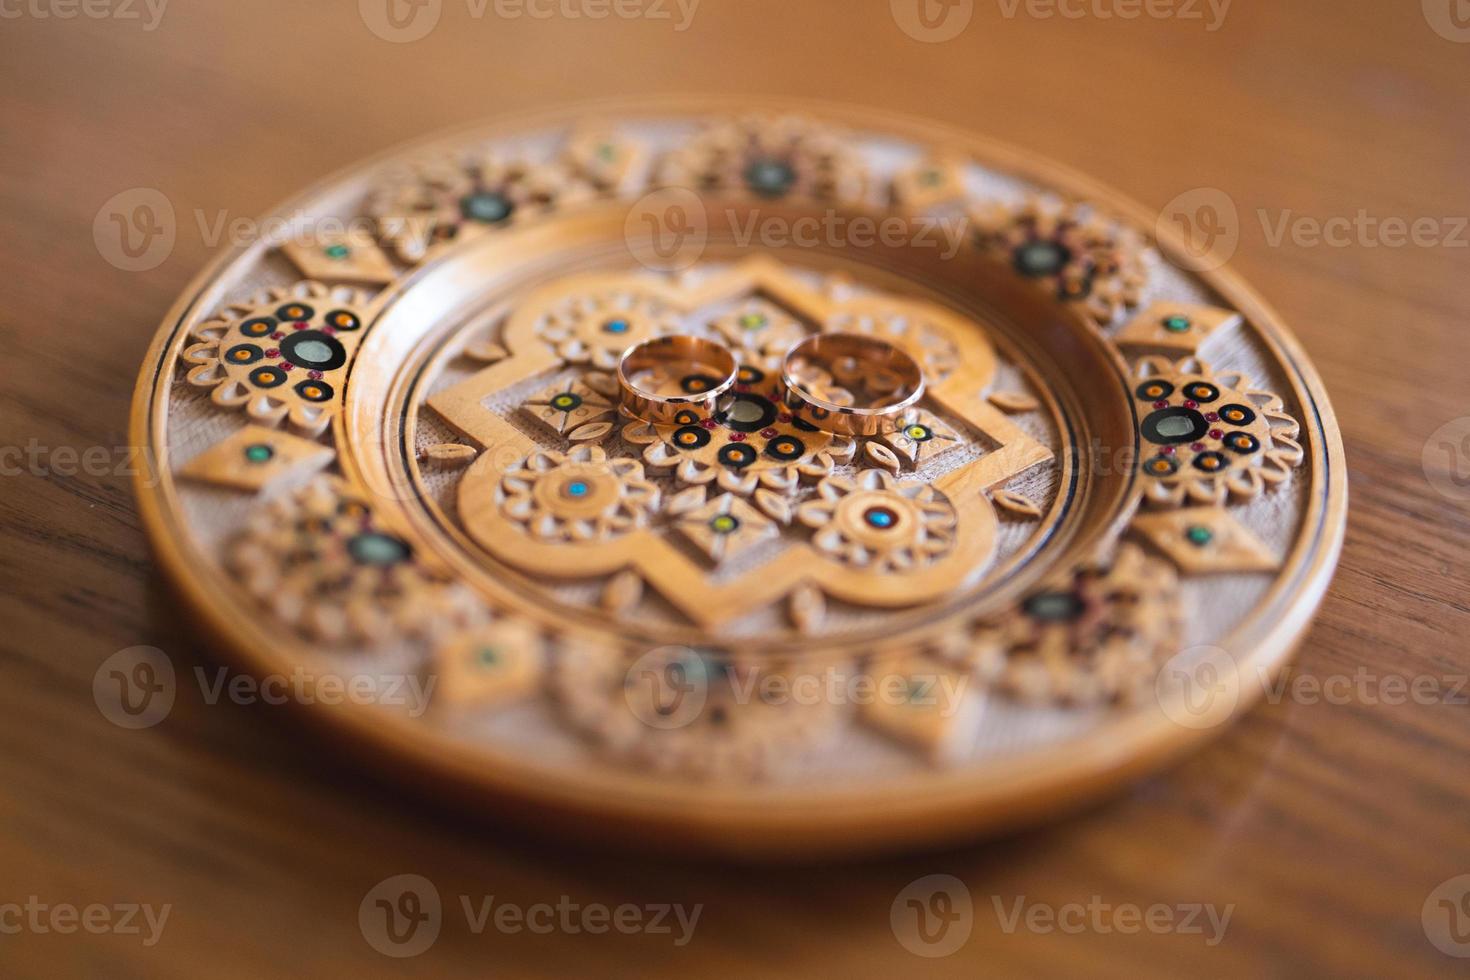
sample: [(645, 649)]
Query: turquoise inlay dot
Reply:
[(312, 352), (616, 326), (578, 489), (1041, 258), (338, 252), (770, 178), (1199, 535), (489, 656), (1177, 324), (259, 453), (487, 207), (881, 517), (372, 548)]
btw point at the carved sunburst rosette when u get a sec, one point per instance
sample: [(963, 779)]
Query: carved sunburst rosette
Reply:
[(737, 627)]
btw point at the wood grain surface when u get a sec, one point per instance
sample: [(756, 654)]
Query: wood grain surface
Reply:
[(1325, 825)]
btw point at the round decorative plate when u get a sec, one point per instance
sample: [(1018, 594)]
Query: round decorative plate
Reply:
[(971, 504)]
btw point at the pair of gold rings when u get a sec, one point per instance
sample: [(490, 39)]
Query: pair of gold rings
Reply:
[(847, 384)]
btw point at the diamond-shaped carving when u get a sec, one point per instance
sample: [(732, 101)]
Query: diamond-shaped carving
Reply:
[(1178, 328), (921, 703), (256, 457), (920, 436), (726, 527), (1206, 540), (564, 407), (497, 662), (928, 185), (350, 256)]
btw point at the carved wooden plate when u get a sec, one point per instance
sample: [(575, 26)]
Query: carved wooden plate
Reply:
[(390, 449)]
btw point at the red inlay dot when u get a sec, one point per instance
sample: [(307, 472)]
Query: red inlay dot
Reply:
[(273, 353), (1191, 404), (278, 336), (300, 326), (710, 424), (329, 330), (1198, 447), (1167, 450), (1212, 417), (1216, 434), (1162, 403), (286, 365), (314, 375), (769, 433), (783, 418), (737, 437)]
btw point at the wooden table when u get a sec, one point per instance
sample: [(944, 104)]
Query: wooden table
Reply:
[(1326, 825)]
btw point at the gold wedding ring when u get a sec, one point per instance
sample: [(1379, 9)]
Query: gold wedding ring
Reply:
[(662, 377), (850, 384)]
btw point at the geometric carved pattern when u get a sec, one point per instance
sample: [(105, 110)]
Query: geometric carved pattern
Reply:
[(1204, 540)]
